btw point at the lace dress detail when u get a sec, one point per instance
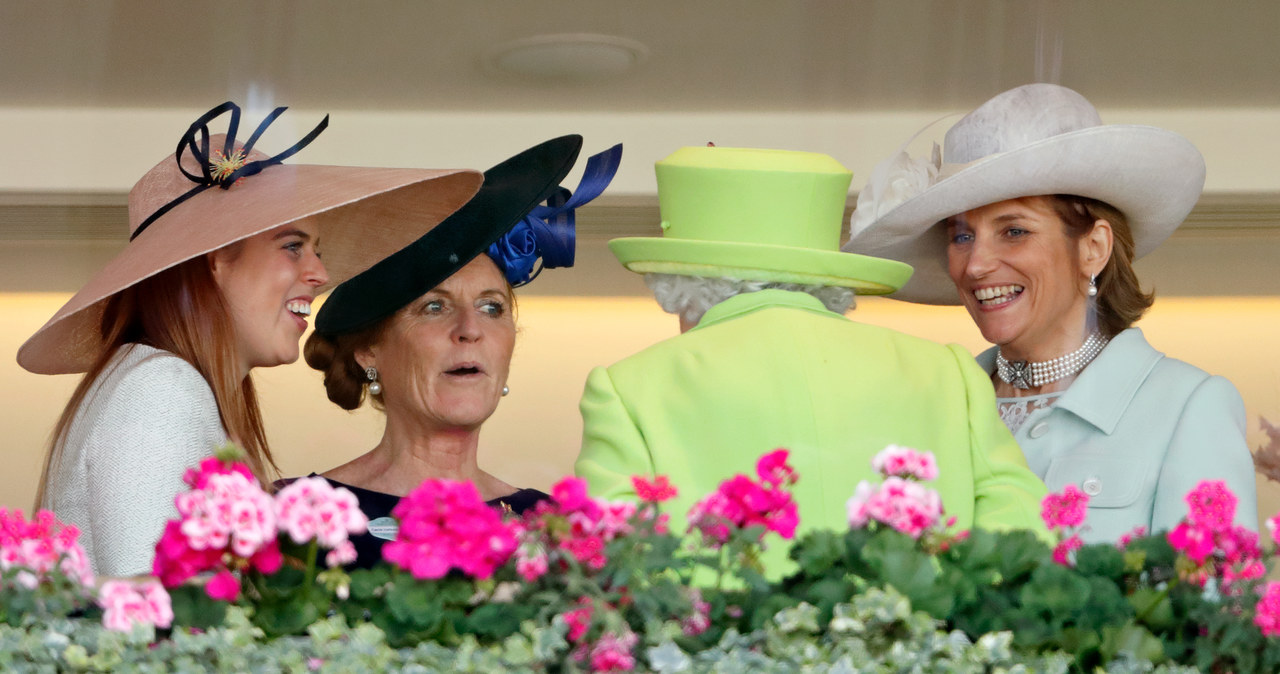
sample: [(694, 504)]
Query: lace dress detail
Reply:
[(1014, 412)]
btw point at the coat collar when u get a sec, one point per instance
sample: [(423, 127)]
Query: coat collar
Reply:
[(1104, 389), (746, 303)]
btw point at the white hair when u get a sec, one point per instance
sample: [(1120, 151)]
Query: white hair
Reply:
[(690, 296)]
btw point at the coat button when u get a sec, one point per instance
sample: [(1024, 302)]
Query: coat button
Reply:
[(1039, 429), (1092, 486)]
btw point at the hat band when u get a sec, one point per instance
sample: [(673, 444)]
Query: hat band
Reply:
[(233, 167)]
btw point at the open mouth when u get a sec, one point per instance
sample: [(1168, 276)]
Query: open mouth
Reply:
[(465, 370), (299, 307), (997, 295)]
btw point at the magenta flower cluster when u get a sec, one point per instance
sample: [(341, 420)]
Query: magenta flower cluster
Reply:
[(905, 462), (899, 501), (126, 603), (1209, 540), (228, 524), (34, 549), (740, 503), (311, 508), (1064, 514), (574, 527), (611, 652), (445, 525), (1267, 614)]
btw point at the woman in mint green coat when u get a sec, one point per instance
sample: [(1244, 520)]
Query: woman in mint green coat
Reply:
[(1032, 222), (766, 358)]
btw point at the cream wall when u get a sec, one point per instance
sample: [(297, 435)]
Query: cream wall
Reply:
[(73, 150), (533, 438)]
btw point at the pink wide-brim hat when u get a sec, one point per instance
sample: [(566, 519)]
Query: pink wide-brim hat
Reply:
[(363, 215), (1036, 139)]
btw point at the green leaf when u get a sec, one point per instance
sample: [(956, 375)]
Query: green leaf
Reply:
[(899, 561), (1134, 640), (412, 603), (819, 552), (366, 583), (291, 616), (1055, 592), (1152, 607), (193, 608), (1101, 559), (287, 581), (493, 620)]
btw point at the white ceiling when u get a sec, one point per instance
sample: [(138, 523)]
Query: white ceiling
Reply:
[(717, 55)]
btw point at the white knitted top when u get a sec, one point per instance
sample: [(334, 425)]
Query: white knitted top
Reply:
[(149, 416)]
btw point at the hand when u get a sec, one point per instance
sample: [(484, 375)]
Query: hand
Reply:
[(1267, 459)]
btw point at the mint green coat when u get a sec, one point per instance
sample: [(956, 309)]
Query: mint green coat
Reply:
[(774, 369), (1136, 431)]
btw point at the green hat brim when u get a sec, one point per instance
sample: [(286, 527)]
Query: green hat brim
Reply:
[(761, 262)]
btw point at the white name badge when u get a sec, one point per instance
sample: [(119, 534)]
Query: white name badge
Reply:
[(384, 528)]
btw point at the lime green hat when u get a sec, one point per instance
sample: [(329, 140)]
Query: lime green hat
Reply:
[(756, 215)]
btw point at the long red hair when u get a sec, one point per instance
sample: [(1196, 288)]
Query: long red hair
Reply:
[(182, 311)]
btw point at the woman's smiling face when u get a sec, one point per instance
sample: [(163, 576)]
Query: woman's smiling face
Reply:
[(444, 358), (1019, 274), (269, 281)]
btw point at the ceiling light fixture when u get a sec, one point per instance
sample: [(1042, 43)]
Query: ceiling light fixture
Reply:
[(567, 56)]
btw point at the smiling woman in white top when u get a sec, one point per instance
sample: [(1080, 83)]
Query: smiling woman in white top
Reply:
[(218, 277), (1031, 217)]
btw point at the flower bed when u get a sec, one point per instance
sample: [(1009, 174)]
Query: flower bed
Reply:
[(253, 582)]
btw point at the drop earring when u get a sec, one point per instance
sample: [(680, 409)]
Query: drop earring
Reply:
[(1093, 285), (375, 387), (506, 390)]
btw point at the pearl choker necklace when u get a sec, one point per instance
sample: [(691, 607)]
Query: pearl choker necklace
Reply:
[(1024, 375)]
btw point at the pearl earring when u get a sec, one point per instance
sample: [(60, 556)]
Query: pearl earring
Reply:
[(375, 387), (506, 390), (1093, 285)]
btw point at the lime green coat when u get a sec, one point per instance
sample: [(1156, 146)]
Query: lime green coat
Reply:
[(774, 369)]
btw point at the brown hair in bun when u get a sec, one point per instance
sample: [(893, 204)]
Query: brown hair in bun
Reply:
[(344, 379)]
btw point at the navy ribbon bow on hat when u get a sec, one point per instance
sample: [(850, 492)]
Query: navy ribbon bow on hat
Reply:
[(548, 232), (230, 172)]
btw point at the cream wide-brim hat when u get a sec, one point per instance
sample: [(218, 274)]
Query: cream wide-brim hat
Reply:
[(1037, 139), (363, 215)]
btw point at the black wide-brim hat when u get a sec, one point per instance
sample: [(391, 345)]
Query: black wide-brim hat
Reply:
[(511, 189)]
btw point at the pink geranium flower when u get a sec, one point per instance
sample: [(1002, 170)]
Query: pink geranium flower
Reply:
[(699, 620), (1212, 505), (741, 502), (906, 506), (612, 652), (1209, 540), (1137, 532), (571, 494), (773, 469), (1267, 616), (125, 604), (1065, 510), (1064, 551), (653, 492), (905, 462), (312, 509), (224, 586), (445, 525), (579, 619), (225, 523), (39, 547)]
